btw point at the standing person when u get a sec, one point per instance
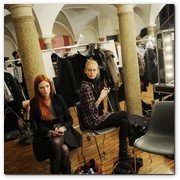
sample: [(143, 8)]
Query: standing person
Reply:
[(54, 134), (91, 98), (19, 73)]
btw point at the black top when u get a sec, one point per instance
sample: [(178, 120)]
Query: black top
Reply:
[(71, 136)]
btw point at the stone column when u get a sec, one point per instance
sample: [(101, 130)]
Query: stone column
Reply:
[(150, 30), (129, 58), (28, 44), (47, 42), (102, 39)]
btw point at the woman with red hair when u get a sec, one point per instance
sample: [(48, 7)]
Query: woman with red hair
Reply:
[(54, 134)]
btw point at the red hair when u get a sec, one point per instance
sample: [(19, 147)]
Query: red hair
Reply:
[(43, 108)]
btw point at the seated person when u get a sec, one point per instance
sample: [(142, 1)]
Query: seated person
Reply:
[(91, 97), (48, 110)]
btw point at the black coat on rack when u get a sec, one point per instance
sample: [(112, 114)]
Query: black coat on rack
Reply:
[(10, 121), (16, 90), (150, 75), (78, 62), (65, 83)]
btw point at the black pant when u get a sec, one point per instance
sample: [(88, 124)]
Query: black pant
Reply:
[(59, 157), (117, 119)]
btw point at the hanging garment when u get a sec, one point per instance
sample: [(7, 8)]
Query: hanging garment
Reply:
[(151, 66), (141, 63), (78, 62), (65, 83), (112, 65), (15, 88), (8, 97), (10, 121)]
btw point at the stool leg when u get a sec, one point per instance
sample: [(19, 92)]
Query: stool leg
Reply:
[(97, 147), (104, 138), (150, 157), (135, 168)]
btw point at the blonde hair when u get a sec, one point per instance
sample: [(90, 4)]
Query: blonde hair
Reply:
[(91, 61)]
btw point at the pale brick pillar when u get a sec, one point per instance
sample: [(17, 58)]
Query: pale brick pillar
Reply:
[(129, 58), (28, 44)]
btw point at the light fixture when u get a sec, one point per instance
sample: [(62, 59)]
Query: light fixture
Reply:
[(169, 57), (169, 66), (167, 39), (169, 75), (168, 48)]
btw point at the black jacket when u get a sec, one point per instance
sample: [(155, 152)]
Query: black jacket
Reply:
[(41, 143), (65, 83)]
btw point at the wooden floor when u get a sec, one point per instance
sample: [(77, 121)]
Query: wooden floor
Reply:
[(19, 159)]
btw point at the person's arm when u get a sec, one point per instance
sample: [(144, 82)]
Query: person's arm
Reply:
[(87, 98), (103, 94)]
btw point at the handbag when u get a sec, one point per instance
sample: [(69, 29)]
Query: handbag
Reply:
[(90, 167)]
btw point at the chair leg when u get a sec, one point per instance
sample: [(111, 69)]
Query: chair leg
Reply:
[(150, 157), (104, 138), (82, 151), (97, 147), (78, 155), (134, 154)]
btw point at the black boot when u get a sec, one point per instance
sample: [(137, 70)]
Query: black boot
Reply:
[(123, 154), (55, 166), (66, 166)]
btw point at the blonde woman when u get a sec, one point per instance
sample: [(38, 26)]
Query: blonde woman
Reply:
[(91, 98)]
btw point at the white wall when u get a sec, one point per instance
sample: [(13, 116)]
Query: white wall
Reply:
[(89, 36), (138, 23), (9, 47), (46, 55)]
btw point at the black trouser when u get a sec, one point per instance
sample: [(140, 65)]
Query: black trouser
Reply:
[(59, 157), (118, 119)]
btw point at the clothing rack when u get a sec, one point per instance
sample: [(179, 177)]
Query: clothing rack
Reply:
[(74, 46), (142, 40), (12, 60)]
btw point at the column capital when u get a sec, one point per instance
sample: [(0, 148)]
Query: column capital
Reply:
[(124, 8), (150, 29), (102, 39), (47, 42), (19, 10)]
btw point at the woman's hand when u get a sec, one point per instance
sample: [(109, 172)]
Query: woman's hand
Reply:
[(104, 93), (59, 132)]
